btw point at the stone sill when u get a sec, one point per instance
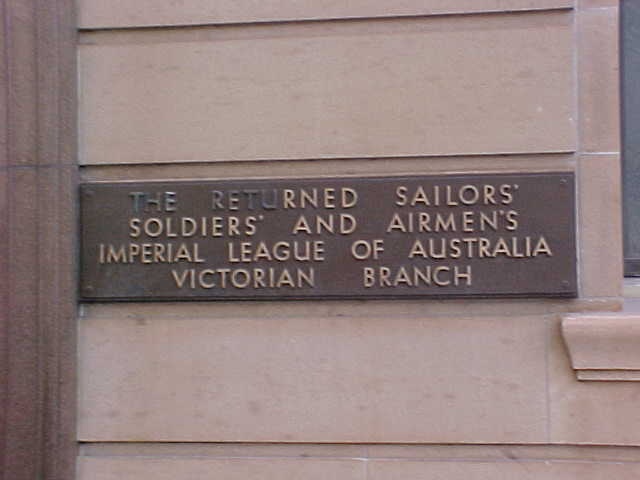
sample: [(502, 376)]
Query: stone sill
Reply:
[(606, 346), (631, 289)]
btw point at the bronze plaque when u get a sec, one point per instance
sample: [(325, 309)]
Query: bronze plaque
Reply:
[(499, 235)]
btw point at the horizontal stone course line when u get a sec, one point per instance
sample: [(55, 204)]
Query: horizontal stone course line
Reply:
[(609, 375), (34, 166), (349, 308), (426, 157), (311, 28), (516, 452), (537, 162), (599, 153), (159, 26)]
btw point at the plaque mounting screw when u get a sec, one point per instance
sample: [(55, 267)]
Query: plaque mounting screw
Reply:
[(88, 289), (565, 283)]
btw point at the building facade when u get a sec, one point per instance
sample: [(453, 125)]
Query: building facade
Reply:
[(538, 383)]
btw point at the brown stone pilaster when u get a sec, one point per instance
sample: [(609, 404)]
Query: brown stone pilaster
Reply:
[(37, 239)]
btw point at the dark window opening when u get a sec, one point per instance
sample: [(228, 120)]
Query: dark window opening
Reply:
[(630, 128)]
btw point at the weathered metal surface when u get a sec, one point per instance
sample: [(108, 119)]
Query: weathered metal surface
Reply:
[(499, 235)]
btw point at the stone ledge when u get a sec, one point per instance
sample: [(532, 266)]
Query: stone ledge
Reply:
[(605, 346)]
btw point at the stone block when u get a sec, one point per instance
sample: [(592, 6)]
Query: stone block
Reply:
[(522, 470), (440, 85), (598, 79), (592, 413), (600, 225), (168, 468), (190, 378)]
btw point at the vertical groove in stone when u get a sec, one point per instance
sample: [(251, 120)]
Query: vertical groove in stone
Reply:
[(37, 181), (4, 195)]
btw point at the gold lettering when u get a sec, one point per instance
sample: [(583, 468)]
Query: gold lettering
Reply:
[(445, 224), (250, 223), (515, 253), (450, 201), (180, 279), (183, 254), (401, 194), (281, 251), (188, 226), (420, 197), (306, 198), (261, 252), (308, 277), (231, 256), (134, 225), (285, 279), (420, 276), (348, 224), (500, 247), (245, 251), (202, 278), (470, 242), (368, 277), (490, 220), (436, 276), (402, 277), (326, 224), (489, 192), (318, 251), (236, 282), (223, 276), (542, 247), (454, 246), (258, 278), (423, 224), (512, 220), (329, 198), (301, 251), (170, 232), (114, 256), (440, 276), (483, 247), (216, 227), (417, 250), (384, 272), (158, 252), (348, 197), (196, 254), (147, 253), (466, 276), (233, 226), (301, 225), (432, 251), (505, 194), (147, 226), (396, 224), (466, 199), (233, 199), (134, 251), (288, 199)]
